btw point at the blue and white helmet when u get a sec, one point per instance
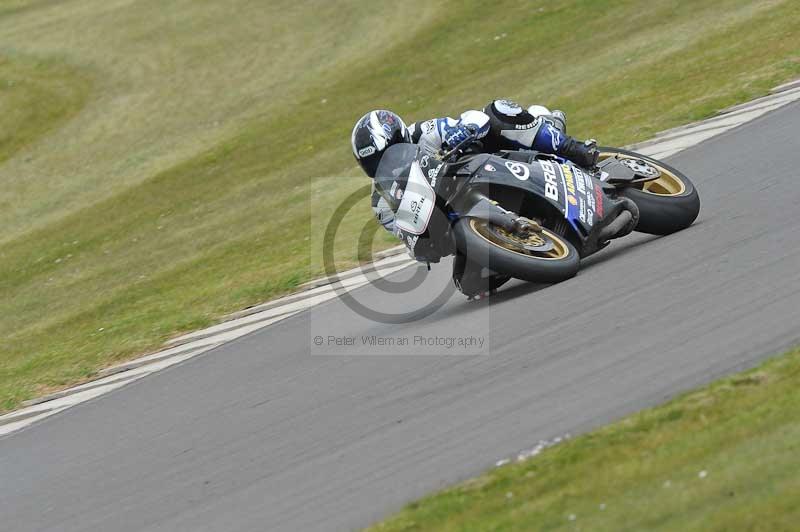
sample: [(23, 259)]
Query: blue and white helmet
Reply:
[(373, 134)]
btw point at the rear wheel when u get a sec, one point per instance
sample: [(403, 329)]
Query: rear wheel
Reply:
[(666, 204), (538, 256)]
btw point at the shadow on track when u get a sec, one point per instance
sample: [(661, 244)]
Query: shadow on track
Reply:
[(518, 289)]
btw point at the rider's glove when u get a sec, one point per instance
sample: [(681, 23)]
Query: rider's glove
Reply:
[(455, 134), (583, 153), (592, 154)]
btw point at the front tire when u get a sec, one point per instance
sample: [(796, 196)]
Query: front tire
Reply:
[(666, 205), (490, 246)]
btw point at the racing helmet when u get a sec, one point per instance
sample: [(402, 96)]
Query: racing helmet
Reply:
[(373, 134)]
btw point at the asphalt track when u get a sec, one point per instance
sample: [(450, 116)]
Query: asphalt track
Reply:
[(271, 432)]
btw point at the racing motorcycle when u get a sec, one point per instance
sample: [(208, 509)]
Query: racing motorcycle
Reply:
[(526, 214)]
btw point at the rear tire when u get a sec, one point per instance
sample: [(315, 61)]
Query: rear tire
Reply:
[(668, 204), (476, 239)]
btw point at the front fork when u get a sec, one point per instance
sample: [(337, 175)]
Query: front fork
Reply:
[(477, 205)]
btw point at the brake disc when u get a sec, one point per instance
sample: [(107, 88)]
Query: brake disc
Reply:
[(533, 241), (642, 168)]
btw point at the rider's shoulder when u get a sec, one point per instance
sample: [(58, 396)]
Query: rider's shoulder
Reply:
[(472, 116)]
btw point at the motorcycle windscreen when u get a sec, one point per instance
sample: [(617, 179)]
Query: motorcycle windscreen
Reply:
[(393, 171)]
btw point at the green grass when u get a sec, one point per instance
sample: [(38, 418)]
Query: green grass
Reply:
[(192, 163), (36, 96), (726, 457)]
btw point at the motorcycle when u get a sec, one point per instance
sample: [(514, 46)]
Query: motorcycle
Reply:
[(526, 214)]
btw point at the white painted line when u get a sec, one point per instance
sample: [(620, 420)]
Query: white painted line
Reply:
[(770, 97), (230, 325), (86, 386), (320, 295), (122, 374), (13, 427), (673, 145), (22, 418), (786, 86), (154, 357), (728, 119), (323, 285), (398, 254), (778, 99)]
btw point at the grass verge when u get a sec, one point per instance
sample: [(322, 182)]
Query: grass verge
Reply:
[(191, 182), (726, 457), (36, 96)]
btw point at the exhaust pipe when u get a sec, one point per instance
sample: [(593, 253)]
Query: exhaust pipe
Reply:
[(616, 227), (622, 224)]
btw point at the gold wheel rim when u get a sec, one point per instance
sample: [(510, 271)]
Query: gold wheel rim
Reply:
[(667, 184), (560, 248)]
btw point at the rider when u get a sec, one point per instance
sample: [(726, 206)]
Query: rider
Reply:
[(502, 125)]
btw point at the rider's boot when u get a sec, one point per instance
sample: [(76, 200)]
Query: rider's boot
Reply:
[(475, 281)]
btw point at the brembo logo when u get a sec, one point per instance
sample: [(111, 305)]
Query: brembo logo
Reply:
[(550, 184)]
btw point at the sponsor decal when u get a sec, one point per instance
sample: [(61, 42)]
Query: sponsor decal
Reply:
[(580, 182), (525, 126), (416, 209), (489, 168), (412, 241), (571, 199), (591, 200), (520, 171), (424, 160), (598, 195), (550, 184), (589, 183), (365, 152), (433, 173), (582, 211), (568, 177), (590, 217), (428, 126)]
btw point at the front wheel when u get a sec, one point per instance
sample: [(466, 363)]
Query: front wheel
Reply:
[(538, 256), (667, 204)]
